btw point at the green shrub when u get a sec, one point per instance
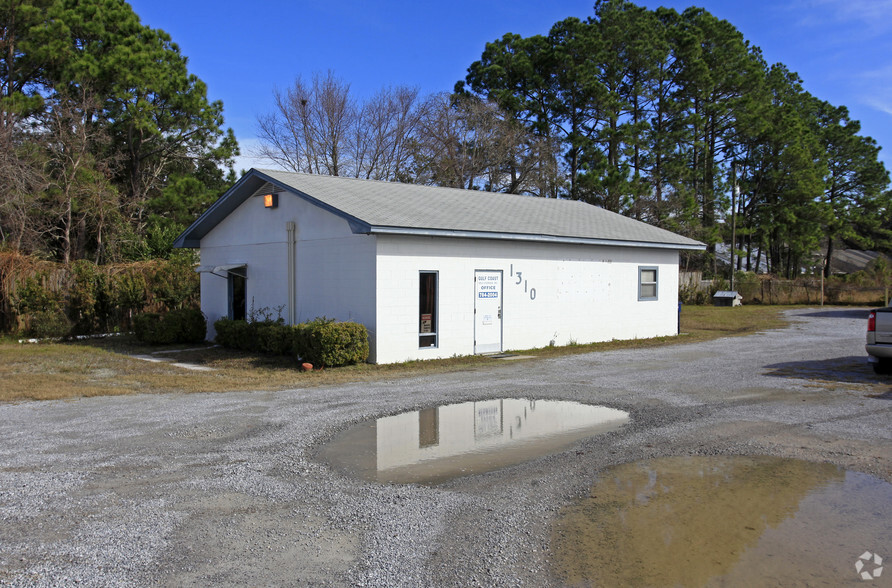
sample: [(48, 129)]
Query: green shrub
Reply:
[(224, 328), (48, 323), (693, 295), (275, 338), (91, 300), (177, 326), (260, 336), (82, 296), (321, 342), (234, 334), (190, 323), (175, 284), (31, 296), (325, 343), (96, 298), (148, 328), (130, 291)]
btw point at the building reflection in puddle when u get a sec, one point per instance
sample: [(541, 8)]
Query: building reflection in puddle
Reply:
[(436, 444)]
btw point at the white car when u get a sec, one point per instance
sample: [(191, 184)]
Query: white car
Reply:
[(879, 340)]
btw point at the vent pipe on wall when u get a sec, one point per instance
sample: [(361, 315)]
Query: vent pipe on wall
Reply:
[(292, 287)]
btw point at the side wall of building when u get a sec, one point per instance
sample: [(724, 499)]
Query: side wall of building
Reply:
[(334, 269), (551, 293)]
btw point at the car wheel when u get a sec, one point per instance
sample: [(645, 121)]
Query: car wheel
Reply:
[(882, 366)]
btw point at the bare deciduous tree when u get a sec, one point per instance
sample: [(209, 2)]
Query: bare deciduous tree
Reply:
[(320, 129), (466, 142), (78, 186), (447, 140), (310, 128), (383, 131), (22, 179)]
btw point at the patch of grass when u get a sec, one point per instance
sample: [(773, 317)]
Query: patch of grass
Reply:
[(104, 367), (708, 322), (698, 323)]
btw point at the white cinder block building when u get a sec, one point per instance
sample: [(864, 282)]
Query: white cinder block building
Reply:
[(434, 272)]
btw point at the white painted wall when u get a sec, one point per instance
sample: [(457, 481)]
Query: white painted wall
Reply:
[(583, 293), (335, 271)]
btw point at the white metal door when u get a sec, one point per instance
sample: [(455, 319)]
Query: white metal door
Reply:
[(487, 311)]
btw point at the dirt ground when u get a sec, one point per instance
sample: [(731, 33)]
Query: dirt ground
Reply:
[(226, 489)]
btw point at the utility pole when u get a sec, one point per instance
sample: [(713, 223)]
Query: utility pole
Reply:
[(734, 193)]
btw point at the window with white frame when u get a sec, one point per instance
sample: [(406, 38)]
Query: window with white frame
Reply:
[(647, 283)]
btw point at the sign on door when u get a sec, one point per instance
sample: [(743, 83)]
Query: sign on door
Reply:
[(487, 311)]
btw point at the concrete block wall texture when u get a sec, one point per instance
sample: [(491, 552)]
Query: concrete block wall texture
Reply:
[(550, 292)]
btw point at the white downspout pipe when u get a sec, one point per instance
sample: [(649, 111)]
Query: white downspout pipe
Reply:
[(292, 287)]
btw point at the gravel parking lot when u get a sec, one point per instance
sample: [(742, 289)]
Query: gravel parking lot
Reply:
[(224, 489)]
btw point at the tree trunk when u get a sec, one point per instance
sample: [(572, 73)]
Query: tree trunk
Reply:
[(66, 229)]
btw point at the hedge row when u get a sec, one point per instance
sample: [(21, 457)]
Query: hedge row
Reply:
[(46, 299), (185, 325), (322, 342)]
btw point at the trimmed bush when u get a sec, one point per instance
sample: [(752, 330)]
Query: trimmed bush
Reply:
[(191, 325), (177, 326), (224, 336), (260, 336), (148, 328), (274, 338), (322, 342), (325, 343), (236, 334)]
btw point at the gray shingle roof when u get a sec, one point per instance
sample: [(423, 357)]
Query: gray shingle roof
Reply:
[(384, 207), (849, 261)]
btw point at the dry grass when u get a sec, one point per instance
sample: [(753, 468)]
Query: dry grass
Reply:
[(105, 367), (708, 322)]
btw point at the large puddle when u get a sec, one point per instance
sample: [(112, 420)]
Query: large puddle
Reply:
[(726, 521), (444, 442)]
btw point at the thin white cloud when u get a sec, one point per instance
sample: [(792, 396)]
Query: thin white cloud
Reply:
[(873, 17), (884, 73), (882, 106), (875, 88)]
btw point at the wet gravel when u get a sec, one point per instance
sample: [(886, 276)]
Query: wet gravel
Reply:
[(224, 489)]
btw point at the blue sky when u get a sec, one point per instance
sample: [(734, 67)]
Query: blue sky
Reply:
[(842, 49)]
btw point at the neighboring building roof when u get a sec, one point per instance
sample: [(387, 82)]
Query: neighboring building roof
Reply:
[(375, 207), (849, 261)]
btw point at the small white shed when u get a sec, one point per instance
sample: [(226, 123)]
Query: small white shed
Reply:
[(434, 272)]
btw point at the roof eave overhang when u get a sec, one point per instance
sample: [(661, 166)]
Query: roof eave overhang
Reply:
[(380, 230), (225, 204)]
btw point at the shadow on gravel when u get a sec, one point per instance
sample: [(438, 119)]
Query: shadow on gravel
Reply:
[(849, 313), (852, 369)]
